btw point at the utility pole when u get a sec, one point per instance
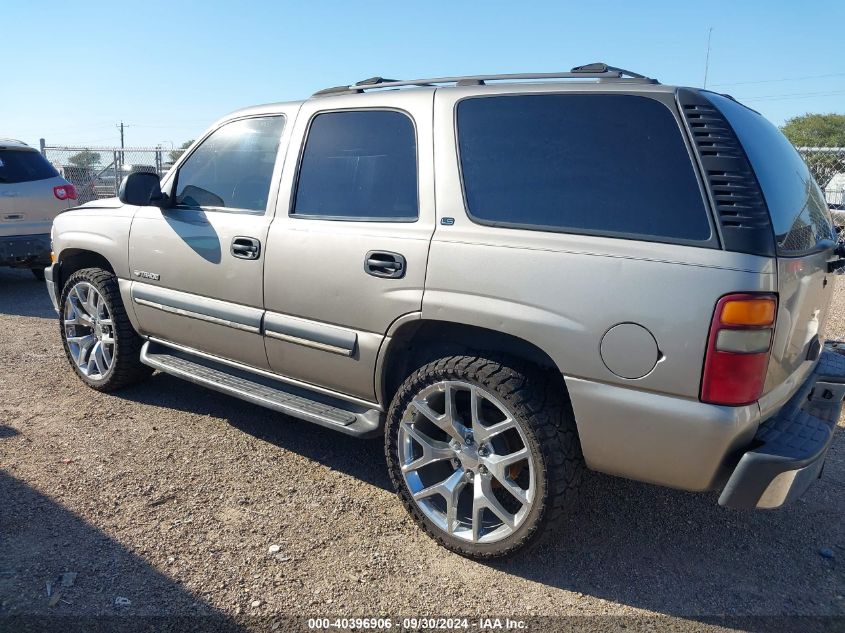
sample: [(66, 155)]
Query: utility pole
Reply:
[(707, 58), (120, 126), (121, 155)]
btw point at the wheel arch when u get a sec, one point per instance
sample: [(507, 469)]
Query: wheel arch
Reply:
[(414, 342), (72, 259)]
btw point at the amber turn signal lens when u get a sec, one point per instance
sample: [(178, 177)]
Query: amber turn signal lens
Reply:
[(52, 257), (755, 312)]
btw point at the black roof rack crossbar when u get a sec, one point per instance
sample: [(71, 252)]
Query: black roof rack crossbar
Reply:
[(599, 71)]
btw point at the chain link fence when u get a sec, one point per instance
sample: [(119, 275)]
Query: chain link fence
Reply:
[(96, 172), (827, 164)]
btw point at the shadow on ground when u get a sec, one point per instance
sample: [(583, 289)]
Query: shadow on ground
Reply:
[(42, 542), (362, 459), (7, 431), (23, 295)]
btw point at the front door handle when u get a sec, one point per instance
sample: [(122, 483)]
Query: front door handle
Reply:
[(385, 264), (246, 247)]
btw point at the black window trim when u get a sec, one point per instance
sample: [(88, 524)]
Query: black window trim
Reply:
[(336, 218), (667, 100), (173, 184)]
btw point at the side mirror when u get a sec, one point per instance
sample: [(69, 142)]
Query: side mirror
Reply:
[(141, 189)]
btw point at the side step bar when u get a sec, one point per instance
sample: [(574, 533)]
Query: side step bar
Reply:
[(293, 401)]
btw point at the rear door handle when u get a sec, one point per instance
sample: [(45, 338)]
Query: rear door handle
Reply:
[(246, 247), (385, 264)]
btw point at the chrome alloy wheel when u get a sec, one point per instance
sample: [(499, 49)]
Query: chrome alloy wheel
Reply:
[(466, 462), (89, 330)]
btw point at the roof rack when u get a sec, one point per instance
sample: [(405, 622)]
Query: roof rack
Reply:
[(599, 71)]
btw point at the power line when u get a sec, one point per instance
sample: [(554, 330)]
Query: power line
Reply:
[(767, 81), (795, 95)]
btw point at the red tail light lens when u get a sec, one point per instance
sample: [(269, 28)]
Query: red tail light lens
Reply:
[(65, 192), (738, 349)]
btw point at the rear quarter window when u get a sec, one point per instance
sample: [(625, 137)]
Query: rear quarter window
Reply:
[(24, 166), (603, 164), (798, 209)]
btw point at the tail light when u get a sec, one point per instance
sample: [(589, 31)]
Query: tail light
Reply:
[(738, 349), (65, 192)]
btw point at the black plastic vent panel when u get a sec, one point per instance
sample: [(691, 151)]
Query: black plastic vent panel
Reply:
[(739, 204)]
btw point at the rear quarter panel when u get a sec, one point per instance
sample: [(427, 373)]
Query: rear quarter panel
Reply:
[(562, 292)]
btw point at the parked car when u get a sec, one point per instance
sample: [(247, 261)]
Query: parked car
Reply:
[(512, 278), (31, 194), (106, 183), (83, 179)]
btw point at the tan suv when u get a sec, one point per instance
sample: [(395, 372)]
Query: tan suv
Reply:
[(511, 277)]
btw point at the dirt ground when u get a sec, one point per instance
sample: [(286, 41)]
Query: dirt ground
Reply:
[(170, 497)]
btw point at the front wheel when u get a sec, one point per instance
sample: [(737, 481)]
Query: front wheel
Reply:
[(483, 452), (100, 342)]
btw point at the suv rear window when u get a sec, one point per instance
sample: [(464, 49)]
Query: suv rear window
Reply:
[(600, 164), (23, 166), (797, 206)]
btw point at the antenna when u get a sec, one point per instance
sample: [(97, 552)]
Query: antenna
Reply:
[(707, 58)]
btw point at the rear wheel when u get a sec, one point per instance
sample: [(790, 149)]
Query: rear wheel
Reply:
[(100, 342), (483, 453)]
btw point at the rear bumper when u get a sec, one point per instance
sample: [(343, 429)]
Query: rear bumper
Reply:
[(25, 251), (790, 447)]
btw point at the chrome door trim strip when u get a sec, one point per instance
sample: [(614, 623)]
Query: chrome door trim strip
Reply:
[(308, 343), (268, 374), (322, 336), (240, 317), (196, 315)]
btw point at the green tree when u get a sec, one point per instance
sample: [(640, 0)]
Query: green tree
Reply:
[(85, 158), (177, 153), (816, 130)]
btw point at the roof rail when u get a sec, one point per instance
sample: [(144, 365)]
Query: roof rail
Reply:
[(599, 71)]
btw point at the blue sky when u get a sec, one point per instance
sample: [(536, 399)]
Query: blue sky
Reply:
[(72, 70)]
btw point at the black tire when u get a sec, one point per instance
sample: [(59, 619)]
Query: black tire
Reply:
[(536, 399), (126, 368), (38, 273)]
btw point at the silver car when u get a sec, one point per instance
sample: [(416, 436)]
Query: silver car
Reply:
[(31, 194), (512, 278)]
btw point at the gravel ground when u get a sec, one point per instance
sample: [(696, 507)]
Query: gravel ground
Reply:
[(171, 496)]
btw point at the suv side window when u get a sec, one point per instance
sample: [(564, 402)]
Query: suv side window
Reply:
[(601, 164), (232, 167), (359, 165)]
